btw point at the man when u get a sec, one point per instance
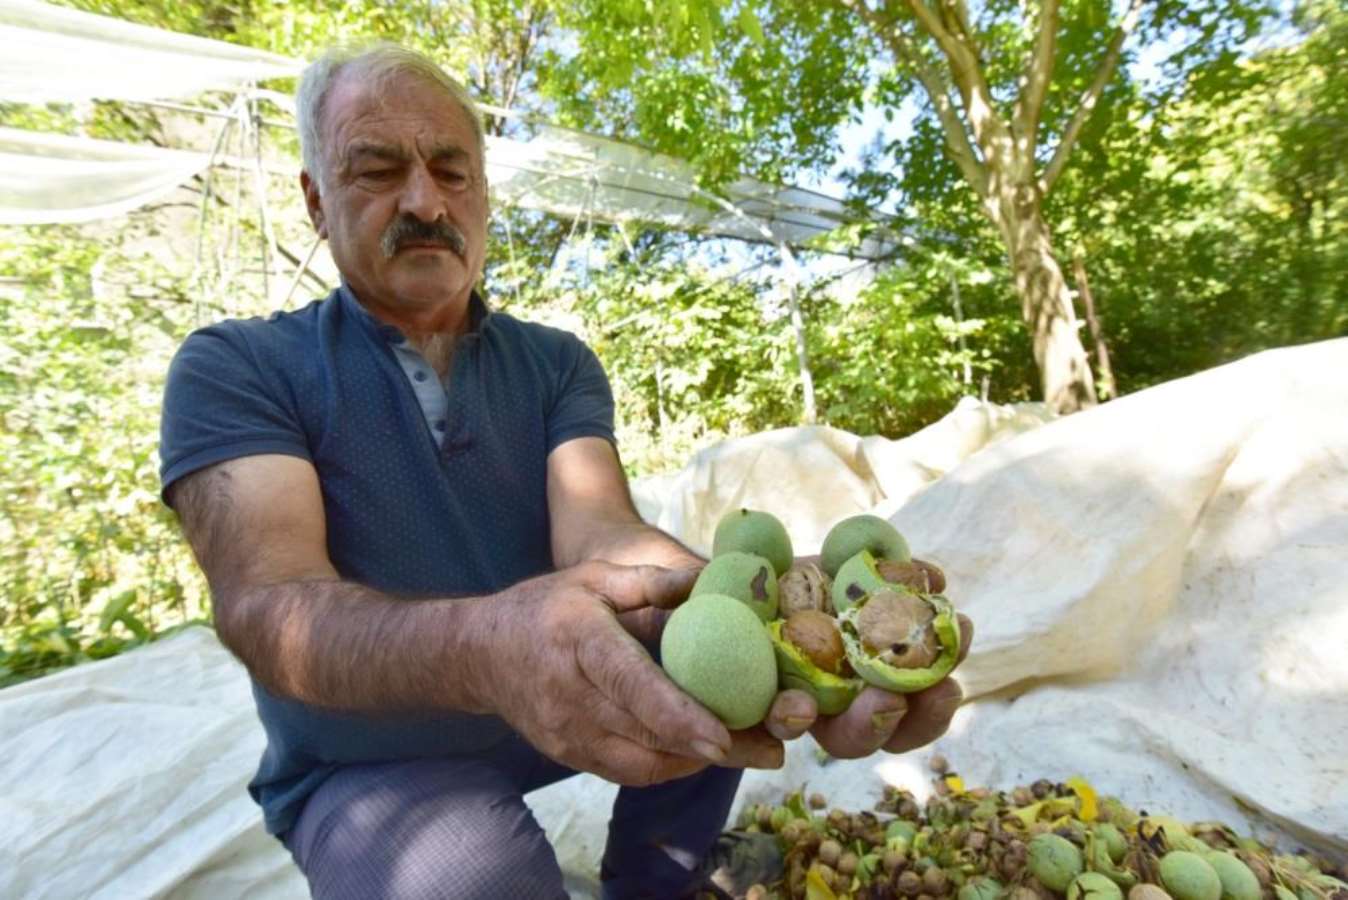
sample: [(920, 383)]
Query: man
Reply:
[(419, 541)]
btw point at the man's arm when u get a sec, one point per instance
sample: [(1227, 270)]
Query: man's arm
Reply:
[(592, 513), (547, 655), (257, 528)]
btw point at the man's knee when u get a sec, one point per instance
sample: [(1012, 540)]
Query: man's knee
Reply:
[(419, 835)]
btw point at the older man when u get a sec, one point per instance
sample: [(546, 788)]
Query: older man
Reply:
[(420, 542)]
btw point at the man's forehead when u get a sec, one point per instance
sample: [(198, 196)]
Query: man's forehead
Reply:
[(354, 102)]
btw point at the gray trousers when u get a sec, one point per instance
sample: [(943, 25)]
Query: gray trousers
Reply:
[(459, 828)]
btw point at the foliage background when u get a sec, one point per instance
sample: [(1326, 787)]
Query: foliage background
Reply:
[(1208, 207)]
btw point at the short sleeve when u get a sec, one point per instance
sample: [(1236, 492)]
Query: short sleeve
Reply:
[(220, 405), (584, 401)]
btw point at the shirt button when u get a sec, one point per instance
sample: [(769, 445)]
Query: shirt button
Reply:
[(421, 375), (440, 425)]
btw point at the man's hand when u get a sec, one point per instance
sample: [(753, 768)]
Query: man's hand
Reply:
[(876, 720), (566, 674)]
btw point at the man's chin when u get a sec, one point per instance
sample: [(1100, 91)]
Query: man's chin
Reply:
[(432, 288)]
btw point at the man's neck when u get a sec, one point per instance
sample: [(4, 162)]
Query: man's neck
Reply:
[(434, 333), (437, 347)]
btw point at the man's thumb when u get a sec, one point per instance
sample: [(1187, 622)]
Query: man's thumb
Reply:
[(633, 587)]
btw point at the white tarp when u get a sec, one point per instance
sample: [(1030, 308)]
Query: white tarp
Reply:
[(56, 178), (54, 54), (1160, 588)]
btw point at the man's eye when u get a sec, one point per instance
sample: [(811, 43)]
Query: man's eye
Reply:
[(455, 177), (378, 174)]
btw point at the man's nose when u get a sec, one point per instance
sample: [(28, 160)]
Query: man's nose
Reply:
[(421, 196)]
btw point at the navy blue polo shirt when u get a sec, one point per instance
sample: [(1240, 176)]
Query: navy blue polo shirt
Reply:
[(409, 512)]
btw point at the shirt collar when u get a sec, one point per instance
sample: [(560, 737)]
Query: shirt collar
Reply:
[(478, 315)]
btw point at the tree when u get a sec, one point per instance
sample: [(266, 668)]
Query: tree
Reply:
[(1008, 87)]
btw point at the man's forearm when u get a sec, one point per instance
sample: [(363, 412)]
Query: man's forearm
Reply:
[(636, 543), (340, 645)]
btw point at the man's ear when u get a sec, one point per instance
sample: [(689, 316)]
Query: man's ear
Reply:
[(313, 201)]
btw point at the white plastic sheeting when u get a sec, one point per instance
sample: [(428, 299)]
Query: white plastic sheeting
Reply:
[(583, 176), (59, 178), (54, 178), (1160, 588), (57, 54)]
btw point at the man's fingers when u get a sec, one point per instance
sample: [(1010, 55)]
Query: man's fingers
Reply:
[(619, 760), (929, 715), (675, 723), (645, 624), (791, 715), (864, 727), (626, 588), (754, 748)]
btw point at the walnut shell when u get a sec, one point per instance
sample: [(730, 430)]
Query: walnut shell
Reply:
[(915, 574), (816, 636), (896, 628), (804, 586)]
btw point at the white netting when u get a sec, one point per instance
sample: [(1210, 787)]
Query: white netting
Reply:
[(55, 54), (53, 178)]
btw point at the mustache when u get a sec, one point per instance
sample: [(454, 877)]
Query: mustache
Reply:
[(407, 229)]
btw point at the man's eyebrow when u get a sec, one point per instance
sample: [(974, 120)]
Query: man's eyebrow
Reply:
[(449, 153), (452, 153), (378, 151)]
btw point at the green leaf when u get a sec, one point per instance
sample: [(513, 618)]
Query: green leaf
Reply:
[(136, 626), (749, 24), (115, 609)]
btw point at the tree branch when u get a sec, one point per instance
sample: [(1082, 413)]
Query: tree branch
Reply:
[(1037, 74), (956, 137), (961, 54), (1103, 73), (956, 13)]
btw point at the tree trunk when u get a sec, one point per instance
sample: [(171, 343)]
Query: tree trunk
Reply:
[(1046, 303), (1107, 386)]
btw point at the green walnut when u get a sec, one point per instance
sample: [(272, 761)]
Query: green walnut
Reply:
[(1238, 880), (901, 828), (717, 650), (901, 642), (1188, 876), (856, 578), (864, 532), (1055, 861), (747, 577), (980, 888), (811, 658), (866, 572), (1112, 838), (753, 531), (1093, 886)]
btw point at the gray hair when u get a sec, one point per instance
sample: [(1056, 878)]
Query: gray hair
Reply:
[(373, 63)]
